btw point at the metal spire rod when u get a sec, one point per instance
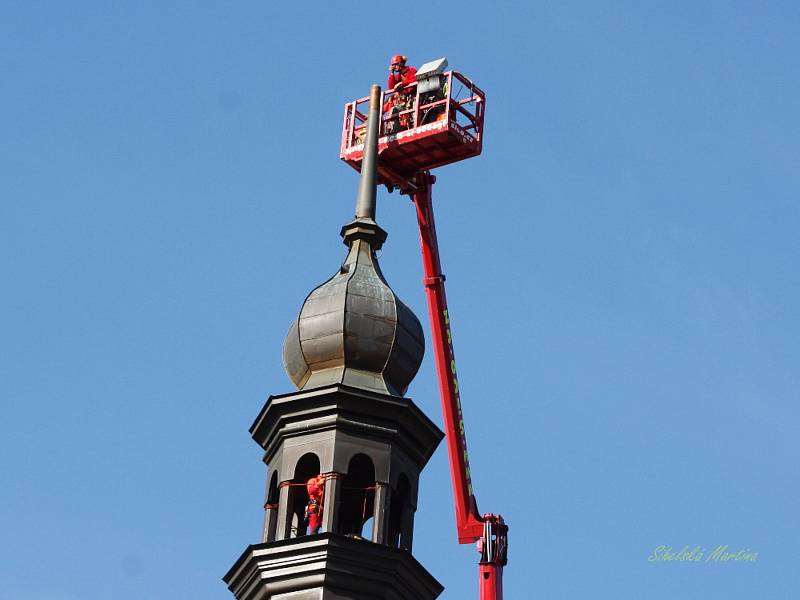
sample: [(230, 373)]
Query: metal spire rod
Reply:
[(367, 188)]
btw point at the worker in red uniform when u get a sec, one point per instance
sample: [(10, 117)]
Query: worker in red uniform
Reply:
[(401, 76), (316, 491)]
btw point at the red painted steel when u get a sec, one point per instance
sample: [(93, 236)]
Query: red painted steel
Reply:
[(469, 524), (490, 531), (424, 145)]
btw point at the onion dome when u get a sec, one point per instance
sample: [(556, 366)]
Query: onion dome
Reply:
[(353, 329)]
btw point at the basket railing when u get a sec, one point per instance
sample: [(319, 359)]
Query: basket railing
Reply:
[(405, 110)]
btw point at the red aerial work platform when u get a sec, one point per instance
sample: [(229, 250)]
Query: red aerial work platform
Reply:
[(443, 125), (442, 128)]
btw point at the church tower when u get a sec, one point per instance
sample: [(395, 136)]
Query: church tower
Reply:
[(352, 353)]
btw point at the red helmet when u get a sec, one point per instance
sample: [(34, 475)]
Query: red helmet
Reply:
[(399, 59)]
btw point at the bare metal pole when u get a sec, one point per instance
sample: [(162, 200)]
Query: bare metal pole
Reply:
[(367, 188)]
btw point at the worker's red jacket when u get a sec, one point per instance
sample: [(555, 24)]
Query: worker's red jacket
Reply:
[(407, 76), (316, 488)]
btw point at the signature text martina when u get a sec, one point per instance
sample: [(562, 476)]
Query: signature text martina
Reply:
[(699, 554)]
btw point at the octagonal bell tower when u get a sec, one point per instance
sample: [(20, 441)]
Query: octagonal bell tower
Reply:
[(352, 352)]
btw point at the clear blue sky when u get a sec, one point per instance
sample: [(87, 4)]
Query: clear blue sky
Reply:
[(622, 270)]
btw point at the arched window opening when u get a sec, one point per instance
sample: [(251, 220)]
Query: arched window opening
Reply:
[(272, 490), (358, 495), (271, 509), (307, 467), (366, 528), (398, 507)]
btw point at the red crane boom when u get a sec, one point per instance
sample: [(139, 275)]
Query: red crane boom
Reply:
[(488, 530)]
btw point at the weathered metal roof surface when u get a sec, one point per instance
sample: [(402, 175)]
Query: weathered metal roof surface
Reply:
[(354, 330)]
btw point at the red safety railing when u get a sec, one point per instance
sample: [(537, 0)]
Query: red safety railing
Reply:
[(462, 107)]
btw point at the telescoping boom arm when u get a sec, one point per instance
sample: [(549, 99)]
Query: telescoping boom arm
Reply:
[(488, 530)]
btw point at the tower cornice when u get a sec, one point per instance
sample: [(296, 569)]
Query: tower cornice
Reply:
[(343, 408)]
